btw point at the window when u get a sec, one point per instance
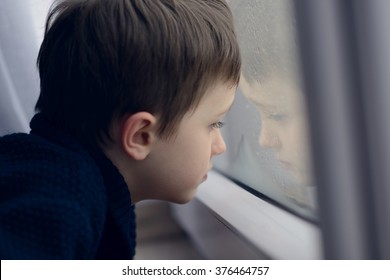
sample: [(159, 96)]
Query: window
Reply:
[(269, 203), (333, 56), (267, 132)]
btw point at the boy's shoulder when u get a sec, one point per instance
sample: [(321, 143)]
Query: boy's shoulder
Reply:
[(32, 163), (52, 200), (31, 149), (36, 146)]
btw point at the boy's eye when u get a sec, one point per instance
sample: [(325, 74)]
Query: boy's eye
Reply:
[(217, 125), (277, 117)]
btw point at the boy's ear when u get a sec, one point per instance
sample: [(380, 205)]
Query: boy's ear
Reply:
[(138, 134)]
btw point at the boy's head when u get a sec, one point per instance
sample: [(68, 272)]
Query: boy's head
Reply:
[(148, 80), (103, 59)]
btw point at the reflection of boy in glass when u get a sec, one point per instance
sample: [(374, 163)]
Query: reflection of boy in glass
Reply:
[(270, 80)]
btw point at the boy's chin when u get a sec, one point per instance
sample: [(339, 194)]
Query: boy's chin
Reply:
[(183, 199)]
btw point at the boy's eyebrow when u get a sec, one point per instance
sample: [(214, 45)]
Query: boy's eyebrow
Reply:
[(262, 105), (225, 111), (265, 106)]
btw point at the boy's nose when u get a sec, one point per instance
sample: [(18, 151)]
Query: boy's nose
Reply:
[(218, 146), (267, 139)]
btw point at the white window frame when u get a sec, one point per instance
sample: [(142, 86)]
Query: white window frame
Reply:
[(271, 230)]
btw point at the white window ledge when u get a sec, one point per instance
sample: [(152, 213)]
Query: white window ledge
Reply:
[(277, 233)]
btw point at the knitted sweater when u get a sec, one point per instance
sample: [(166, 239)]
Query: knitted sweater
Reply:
[(59, 200)]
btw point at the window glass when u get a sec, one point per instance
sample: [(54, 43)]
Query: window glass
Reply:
[(267, 128)]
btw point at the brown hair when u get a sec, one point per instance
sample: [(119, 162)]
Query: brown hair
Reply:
[(102, 59)]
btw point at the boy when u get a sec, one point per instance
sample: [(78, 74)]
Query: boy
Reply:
[(131, 102)]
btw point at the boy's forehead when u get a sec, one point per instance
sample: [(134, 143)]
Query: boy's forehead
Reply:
[(215, 102), (274, 91), (219, 98)]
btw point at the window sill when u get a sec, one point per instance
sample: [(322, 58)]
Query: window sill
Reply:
[(264, 227)]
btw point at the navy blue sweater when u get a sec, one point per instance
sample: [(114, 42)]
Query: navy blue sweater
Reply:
[(59, 200)]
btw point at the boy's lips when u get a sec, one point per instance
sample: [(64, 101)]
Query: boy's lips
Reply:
[(285, 164), (205, 175)]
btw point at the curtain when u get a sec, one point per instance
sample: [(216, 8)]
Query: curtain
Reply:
[(21, 31)]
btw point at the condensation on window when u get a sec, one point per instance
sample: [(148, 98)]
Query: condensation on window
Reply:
[(267, 131)]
